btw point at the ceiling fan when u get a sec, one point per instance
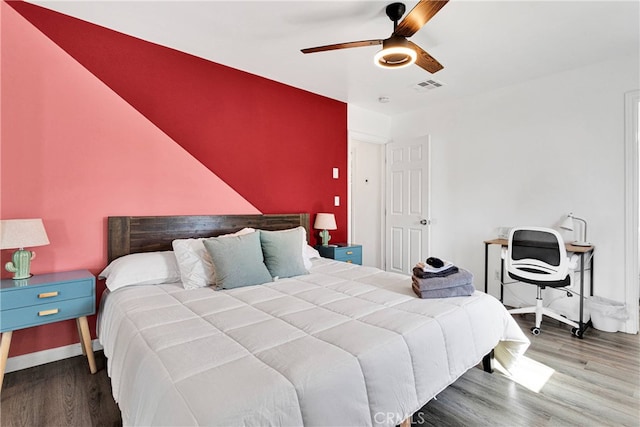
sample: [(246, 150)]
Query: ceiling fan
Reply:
[(397, 51)]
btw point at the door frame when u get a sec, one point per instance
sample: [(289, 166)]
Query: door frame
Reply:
[(632, 202)]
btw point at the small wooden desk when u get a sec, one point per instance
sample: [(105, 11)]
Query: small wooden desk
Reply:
[(581, 250)]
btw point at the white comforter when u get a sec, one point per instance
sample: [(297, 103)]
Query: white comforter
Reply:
[(345, 345)]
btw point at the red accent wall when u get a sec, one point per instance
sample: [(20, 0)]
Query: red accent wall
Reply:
[(95, 123), (279, 143)]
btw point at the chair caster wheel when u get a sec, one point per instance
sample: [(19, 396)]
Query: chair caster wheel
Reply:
[(577, 332), (535, 331)]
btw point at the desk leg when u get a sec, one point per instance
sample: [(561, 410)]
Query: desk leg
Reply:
[(589, 322), (581, 323), (501, 279), (4, 354), (591, 274), (85, 342), (486, 267)]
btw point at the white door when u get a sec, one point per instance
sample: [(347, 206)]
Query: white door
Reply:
[(407, 203)]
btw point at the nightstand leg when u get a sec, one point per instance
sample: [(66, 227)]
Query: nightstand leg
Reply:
[(84, 350), (85, 342), (4, 353)]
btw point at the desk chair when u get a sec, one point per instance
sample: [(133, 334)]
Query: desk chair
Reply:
[(537, 256)]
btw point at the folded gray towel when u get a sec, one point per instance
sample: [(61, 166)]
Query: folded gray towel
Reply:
[(461, 278), (455, 291)]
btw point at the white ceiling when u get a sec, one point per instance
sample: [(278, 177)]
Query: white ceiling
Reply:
[(483, 45)]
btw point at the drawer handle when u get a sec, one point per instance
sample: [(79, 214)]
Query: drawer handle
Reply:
[(349, 252), (48, 312), (48, 294), (349, 261)]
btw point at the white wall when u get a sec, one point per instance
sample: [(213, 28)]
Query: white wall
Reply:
[(368, 126), (527, 155)]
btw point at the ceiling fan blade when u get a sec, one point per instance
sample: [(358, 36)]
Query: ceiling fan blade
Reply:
[(425, 60), (419, 15), (337, 46)]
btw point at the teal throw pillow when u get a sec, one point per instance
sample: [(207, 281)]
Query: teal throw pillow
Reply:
[(238, 260), (282, 252)]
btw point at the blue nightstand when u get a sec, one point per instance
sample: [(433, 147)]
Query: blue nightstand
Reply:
[(342, 252), (43, 299)]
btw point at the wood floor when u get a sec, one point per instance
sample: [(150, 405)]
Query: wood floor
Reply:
[(595, 382), (61, 393)]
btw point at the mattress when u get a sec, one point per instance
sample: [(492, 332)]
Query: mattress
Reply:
[(344, 345)]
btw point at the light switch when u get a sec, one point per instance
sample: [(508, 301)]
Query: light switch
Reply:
[(336, 200), (336, 173)]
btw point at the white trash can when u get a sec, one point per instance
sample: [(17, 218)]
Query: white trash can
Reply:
[(607, 315)]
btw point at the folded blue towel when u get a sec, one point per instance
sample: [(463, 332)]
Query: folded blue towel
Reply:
[(461, 278)]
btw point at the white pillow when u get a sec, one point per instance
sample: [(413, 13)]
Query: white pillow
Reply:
[(309, 253), (194, 261), (147, 268)]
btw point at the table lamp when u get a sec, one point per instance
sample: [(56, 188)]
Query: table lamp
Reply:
[(18, 234), (568, 225), (324, 222)]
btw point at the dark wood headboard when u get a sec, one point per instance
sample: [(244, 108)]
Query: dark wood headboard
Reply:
[(133, 234)]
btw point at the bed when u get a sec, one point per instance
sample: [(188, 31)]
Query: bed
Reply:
[(344, 345)]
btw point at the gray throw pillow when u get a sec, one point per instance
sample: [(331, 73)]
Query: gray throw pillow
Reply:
[(282, 253), (238, 260)]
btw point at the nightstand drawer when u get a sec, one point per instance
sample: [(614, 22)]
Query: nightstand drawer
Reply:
[(351, 259), (26, 317), (342, 252), (44, 294), (348, 254)]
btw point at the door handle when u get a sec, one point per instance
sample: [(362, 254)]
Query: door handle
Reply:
[(424, 222)]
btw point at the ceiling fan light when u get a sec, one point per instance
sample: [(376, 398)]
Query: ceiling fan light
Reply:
[(395, 57)]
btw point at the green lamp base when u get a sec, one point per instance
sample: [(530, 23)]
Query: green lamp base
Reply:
[(20, 264), (325, 236)]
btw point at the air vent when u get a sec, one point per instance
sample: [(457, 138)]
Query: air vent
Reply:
[(427, 85)]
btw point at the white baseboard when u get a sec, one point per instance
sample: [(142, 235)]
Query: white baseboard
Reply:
[(29, 360)]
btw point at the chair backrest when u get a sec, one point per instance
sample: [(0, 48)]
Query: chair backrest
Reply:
[(537, 254)]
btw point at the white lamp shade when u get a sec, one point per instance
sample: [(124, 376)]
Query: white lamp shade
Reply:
[(325, 221), (567, 224), (22, 233)]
